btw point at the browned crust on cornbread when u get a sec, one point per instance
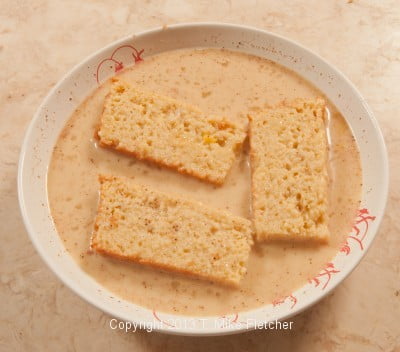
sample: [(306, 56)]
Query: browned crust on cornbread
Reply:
[(171, 166)]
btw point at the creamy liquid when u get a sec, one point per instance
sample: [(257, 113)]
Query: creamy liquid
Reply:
[(219, 82)]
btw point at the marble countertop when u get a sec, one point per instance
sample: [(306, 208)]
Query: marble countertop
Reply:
[(41, 39)]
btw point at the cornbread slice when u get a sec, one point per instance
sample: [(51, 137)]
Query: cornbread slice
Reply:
[(289, 150), (148, 227), (163, 130)]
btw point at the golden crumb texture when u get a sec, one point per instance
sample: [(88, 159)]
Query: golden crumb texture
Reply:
[(289, 152), (142, 225), (168, 132)]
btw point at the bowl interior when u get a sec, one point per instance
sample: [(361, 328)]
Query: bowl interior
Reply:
[(85, 77)]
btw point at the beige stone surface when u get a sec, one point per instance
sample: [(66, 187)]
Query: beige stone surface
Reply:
[(41, 39)]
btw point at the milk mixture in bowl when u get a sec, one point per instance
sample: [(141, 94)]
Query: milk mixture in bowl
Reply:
[(223, 83)]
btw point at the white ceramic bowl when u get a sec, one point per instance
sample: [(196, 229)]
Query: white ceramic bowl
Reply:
[(85, 77)]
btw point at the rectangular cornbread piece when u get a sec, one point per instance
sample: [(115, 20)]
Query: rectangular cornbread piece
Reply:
[(289, 151), (168, 132), (142, 225)]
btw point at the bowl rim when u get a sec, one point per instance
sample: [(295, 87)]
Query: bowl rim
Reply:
[(190, 25)]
